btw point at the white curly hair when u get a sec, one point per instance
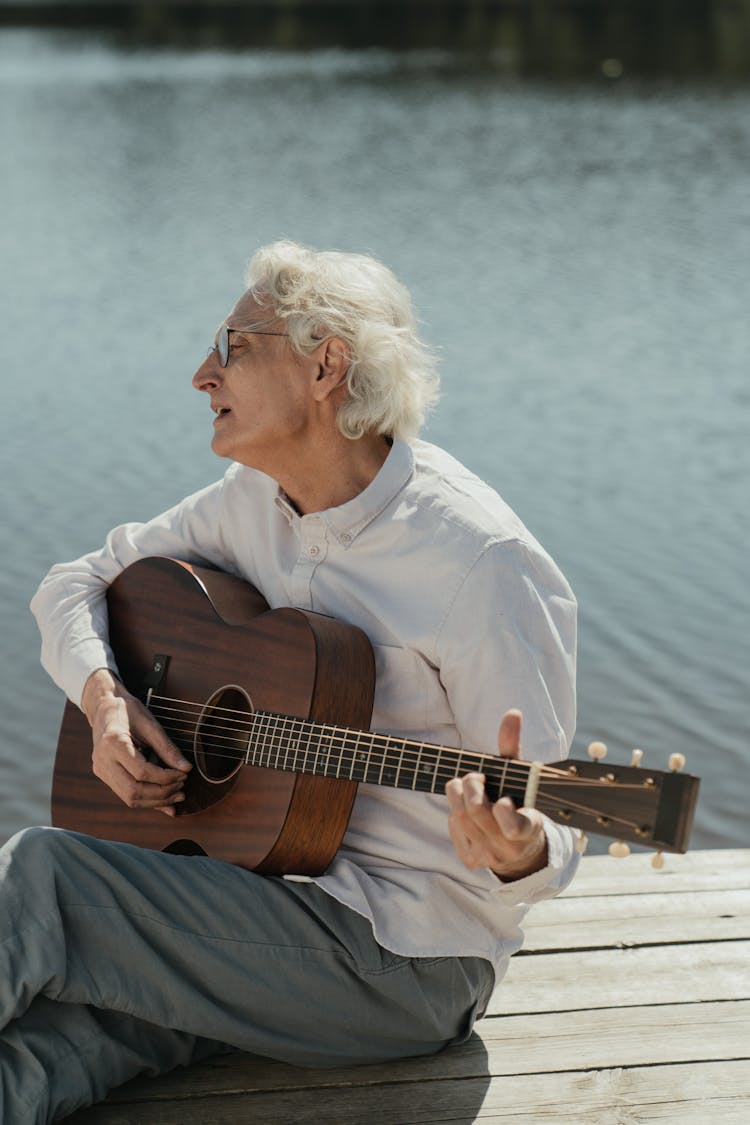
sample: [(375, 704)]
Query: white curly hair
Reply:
[(392, 378)]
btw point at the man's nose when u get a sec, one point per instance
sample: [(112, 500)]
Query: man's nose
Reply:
[(208, 375)]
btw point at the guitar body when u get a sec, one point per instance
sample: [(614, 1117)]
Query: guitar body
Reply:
[(223, 648)]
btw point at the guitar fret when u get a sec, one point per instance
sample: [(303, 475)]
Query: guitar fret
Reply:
[(262, 755), (292, 743), (249, 745), (313, 743), (300, 757), (437, 769), (252, 744), (341, 759), (292, 747), (282, 749), (344, 753), (400, 763), (382, 759), (325, 751), (504, 775), (427, 776), (300, 745), (322, 749), (415, 775), (273, 735), (277, 745), (268, 732), (274, 728), (355, 755), (315, 748)]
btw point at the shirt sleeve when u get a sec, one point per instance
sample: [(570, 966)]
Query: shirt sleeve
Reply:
[(509, 641), (70, 604)]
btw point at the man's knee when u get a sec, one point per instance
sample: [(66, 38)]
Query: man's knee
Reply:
[(35, 848)]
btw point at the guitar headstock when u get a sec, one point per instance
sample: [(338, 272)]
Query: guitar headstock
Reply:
[(630, 804)]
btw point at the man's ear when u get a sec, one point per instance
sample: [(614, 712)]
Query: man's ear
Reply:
[(333, 366)]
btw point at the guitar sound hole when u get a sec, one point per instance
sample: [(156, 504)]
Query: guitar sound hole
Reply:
[(222, 733), (184, 847)]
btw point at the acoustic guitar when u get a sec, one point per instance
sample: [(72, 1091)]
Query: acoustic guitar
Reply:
[(272, 707)]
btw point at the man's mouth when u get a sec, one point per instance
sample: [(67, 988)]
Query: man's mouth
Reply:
[(221, 412)]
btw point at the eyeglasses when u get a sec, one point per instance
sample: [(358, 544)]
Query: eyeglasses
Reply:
[(222, 339)]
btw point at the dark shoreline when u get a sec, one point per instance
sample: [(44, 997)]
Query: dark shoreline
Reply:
[(556, 38)]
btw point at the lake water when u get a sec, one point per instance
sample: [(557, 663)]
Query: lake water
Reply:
[(579, 253)]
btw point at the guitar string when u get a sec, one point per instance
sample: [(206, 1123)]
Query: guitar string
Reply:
[(247, 720), (338, 738), (236, 747), (545, 801), (446, 773), (316, 729), (443, 771)]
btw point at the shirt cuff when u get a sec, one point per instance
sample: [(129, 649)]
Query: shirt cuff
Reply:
[(562, 864), (80, 661)]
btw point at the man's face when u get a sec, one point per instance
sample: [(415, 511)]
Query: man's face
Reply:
[(261, 397)]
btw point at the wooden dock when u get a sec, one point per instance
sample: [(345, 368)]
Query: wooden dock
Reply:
[(630, 1004)]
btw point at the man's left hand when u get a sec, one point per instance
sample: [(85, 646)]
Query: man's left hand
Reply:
[(510, 841)]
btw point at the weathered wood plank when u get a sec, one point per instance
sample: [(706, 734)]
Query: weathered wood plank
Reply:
[(697, 871), (662, 1034), (601, 1038), (617, 977), (635, 919), (684, 1095)]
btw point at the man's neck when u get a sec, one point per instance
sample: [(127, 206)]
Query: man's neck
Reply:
[(335, 476)]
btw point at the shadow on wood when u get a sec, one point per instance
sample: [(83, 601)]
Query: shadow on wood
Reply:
[(245, 1088)]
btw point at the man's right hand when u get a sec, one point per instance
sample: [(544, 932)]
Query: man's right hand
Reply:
[(121, 725)]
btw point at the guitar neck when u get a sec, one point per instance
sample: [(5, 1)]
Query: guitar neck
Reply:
[(648, 807), (641, 806), (325, 750)]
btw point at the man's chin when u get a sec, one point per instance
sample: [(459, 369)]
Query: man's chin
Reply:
[(221, 448)]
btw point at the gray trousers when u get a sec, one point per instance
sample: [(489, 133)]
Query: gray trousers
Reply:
[(117, 961)]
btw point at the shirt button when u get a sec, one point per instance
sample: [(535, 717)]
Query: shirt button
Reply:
[(346, 538), (313, 551)]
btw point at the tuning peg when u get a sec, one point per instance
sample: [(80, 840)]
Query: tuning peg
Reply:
[(619, 849), (657, 861), (676, 762), (636, 758), (597, 751), (582, 843)]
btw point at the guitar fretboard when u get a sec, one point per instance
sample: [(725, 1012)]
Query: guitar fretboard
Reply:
[(302, 746)]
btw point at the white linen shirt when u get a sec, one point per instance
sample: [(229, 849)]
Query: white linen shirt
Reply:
[(468, 616)]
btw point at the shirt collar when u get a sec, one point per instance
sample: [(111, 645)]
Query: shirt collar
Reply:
[(347, 520)]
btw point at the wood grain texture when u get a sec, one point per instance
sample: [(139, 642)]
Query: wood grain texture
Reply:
[(722, 869), (621, 977), (639, 920)]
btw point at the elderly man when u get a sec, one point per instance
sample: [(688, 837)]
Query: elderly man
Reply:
[(118, 960)]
